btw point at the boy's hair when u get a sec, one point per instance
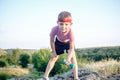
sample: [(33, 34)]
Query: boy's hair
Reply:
[(64, 16)]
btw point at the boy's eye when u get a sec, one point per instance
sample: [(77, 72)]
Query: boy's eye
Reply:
[(61, 23), (66, 24)]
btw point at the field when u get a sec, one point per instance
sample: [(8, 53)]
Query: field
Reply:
[(101, 63)]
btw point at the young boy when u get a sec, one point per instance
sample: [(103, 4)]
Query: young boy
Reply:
[(62, 38)]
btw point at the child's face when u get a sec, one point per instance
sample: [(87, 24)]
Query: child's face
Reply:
[(64, 26)]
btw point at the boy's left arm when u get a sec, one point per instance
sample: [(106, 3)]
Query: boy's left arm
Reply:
[(71, 52)]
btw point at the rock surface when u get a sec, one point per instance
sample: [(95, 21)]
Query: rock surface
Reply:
[(86, 75)]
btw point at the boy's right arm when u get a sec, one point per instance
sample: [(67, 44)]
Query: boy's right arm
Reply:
[(52, 44)]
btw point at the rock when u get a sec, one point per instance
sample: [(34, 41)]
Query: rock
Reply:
[(83, 75)]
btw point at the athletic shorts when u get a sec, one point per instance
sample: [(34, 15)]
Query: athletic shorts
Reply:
[(61, 47)]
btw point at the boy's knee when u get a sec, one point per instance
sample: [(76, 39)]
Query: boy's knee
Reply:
[(53, 57)]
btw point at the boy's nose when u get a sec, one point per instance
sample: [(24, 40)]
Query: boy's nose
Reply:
[(63, 25)]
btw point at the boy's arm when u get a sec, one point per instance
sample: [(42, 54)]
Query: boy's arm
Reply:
[(71, 52), (52, 44)]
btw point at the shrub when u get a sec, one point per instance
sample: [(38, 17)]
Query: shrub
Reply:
[(10, 59), (16, 55), (59, 68), (40, 60), (24, 60), (4, 76), (3, 63)]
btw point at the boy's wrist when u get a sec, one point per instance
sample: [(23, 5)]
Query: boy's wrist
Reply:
[(68, 60), (53, 51)]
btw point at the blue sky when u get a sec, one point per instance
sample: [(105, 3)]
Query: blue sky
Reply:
[(27, 23)]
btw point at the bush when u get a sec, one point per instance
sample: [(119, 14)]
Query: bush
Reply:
[(16, 55), (10, 59), (59, 68), (40, 60), (24, 60), (4, 76), (3, 63), (100, 53)]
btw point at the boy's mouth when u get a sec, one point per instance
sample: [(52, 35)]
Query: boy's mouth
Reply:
[(64, 31)]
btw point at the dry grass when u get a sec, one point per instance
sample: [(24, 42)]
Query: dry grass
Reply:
[(105, 67), (14, 71)]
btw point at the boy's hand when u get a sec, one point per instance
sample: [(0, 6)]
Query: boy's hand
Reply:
[(68, 62)]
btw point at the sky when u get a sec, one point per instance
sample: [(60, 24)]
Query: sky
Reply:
[(26, 24)]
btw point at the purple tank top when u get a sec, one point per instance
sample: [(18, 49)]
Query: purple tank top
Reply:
[(63, 37)]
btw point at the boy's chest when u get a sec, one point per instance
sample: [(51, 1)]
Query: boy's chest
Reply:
[(63, 38)]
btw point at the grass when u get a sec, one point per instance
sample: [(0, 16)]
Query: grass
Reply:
[(106, 67), (14, 71), (19, 73)]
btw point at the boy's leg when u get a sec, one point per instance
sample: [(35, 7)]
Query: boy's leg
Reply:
[(50, 65), (74, 61)]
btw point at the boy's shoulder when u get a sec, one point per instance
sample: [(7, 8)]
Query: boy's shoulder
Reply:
[(55, 28)]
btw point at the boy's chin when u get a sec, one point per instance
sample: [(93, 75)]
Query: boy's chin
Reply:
[(64, 31)]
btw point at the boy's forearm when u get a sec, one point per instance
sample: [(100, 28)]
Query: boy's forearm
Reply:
[(70, 54), (53, 47), (71, 51), (52, 44)]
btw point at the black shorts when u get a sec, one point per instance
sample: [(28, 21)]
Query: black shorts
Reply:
[(60, 47)]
